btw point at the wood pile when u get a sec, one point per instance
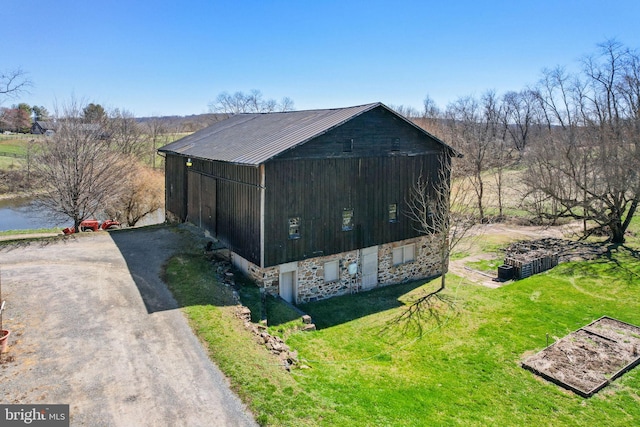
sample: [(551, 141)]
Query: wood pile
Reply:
[(535, 256)]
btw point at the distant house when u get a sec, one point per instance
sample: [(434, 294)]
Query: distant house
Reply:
[(310, 203), (49, 128), (40, 127)]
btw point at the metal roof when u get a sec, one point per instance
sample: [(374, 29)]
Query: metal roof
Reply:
[(254, 138)]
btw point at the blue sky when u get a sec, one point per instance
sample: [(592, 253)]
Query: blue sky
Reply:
[(171, 57)]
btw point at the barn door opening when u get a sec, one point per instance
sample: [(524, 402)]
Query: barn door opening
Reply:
[(194, 210), (201, 201), (369, 267), (288, 282), (208, 205)]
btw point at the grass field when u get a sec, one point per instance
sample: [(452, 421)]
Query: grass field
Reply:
[(358, 370), (13, 151), (29, 231)]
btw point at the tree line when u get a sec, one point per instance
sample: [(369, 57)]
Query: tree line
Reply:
[(575, 136)]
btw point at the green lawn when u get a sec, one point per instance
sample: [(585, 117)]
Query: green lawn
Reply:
[(463, 371)]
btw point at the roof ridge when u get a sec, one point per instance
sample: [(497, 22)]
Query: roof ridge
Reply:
[(254, 138), (371, 105), (273, 143)]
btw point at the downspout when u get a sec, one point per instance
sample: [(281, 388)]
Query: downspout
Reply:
[(262, 213), (185, 188)]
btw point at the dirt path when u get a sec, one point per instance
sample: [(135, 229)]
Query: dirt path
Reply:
[(504, 233), (93, 326)]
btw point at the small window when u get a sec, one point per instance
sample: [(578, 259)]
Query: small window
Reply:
[(331, 271), (347, 219), (347, 146), (395, 144), (404, 254), (294, 227), (393, 212)]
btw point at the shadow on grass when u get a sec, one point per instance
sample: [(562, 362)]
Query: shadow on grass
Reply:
[(613, 255), (280, 312), (342, 309), (616, 257), (170, 271), (274, 309)]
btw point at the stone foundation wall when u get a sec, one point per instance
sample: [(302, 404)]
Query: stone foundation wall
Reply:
[(311, 284), (310, 272), (426, 264)]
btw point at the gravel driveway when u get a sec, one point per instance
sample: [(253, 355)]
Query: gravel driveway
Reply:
[(93, 326)]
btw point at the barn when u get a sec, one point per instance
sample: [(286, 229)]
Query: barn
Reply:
[(312, 203)]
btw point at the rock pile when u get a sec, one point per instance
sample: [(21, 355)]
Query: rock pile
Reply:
[(274, 344)]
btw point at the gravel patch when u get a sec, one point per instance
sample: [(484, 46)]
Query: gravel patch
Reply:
[(93, 326)]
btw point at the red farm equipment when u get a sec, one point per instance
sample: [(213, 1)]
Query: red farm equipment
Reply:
[(93, 225)]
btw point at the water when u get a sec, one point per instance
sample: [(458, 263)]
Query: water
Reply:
[(20, 214)]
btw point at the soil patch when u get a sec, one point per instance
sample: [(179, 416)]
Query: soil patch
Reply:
[(588, 359)]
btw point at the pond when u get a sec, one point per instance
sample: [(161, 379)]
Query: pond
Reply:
[(21, 214)]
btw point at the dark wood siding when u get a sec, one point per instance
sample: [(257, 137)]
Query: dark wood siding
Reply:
[(201, 200), (175, 186), (374, 133), (222, 198), (318, 190)]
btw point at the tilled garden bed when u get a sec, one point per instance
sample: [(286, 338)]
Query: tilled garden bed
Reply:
[(590, 358)]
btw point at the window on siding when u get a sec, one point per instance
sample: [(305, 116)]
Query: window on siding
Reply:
[(395, 144), (347, 146), (331, 271), (347, 219), (294, 227), (393, 212), (404, 254)]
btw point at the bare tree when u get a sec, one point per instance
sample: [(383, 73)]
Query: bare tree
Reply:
[(123, 133), (589, 166), (475, 126), (502, 158), (81, 174), (521, 116), (13, 83), (286, 104), (156, 128), (406, 110), (432, 119), (252, 102), (446, 212)]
